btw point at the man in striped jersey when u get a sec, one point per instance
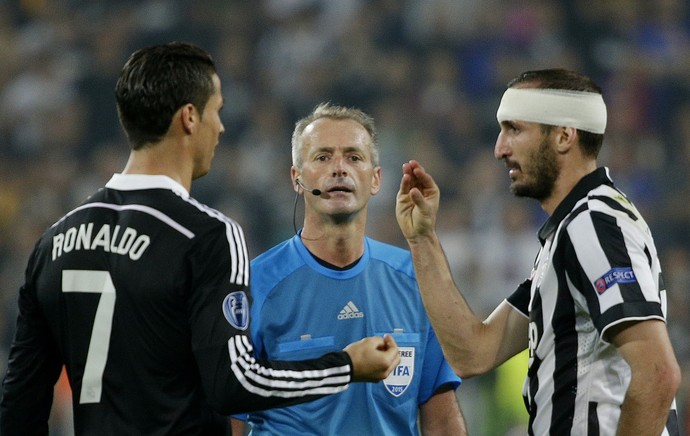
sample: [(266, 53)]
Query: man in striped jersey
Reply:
[(142, 292), (592, 312)]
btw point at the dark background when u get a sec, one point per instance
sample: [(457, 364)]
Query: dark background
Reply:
[(431, 72)]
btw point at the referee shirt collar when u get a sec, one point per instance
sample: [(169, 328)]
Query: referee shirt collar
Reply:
[(133, 182), (596, 178), (338, 274)]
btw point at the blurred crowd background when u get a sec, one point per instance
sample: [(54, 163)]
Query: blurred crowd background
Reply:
[(431, 72)]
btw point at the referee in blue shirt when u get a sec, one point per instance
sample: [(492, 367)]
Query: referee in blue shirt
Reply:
[(330, 285)]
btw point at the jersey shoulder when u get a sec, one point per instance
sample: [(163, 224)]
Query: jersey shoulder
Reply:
[(394, 257), (274, 265), (199, 215), (607, 200)]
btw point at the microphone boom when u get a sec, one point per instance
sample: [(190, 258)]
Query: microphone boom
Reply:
[(314, 191)]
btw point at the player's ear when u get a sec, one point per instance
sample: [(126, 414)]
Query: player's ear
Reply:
[(566, 139), (188, 116)]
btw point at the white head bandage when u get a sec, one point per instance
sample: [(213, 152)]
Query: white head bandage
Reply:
[(555, 107)]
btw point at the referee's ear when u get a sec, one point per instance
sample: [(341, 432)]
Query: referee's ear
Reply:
[(294, 175)]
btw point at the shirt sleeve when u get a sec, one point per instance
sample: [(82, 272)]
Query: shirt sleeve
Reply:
[(519, 299), (33, 368), (234, 380), (616, 270)]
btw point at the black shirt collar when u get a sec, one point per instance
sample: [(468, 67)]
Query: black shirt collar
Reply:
[(331, 266), (596, 178)]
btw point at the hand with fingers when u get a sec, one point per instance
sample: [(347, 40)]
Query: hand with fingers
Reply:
[(373, 358), (417, 202)]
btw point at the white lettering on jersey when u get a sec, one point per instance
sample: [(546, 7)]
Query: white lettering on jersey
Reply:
[(127, 242)]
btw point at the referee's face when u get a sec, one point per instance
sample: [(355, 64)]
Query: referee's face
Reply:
[(337, 160), (530, 155)]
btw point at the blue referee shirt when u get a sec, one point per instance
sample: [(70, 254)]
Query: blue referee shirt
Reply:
[(303, 309)]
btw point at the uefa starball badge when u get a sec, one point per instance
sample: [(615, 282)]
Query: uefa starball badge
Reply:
[(400, 379), (236, 310)]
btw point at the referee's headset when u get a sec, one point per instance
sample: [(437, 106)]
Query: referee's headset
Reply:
[(314, 191)]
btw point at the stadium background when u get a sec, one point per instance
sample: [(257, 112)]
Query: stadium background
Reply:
[(430, 71)]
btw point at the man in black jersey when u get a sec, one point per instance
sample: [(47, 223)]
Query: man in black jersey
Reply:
[(142, 292), (592, 312)]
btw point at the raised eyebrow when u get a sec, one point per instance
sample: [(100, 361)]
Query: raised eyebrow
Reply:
[(324, 149)]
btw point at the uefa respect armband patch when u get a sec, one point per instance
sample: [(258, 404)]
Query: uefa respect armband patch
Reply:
[(236, 309), (614, 276)]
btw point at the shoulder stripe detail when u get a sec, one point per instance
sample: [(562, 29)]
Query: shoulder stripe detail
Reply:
[(137, 207), (270, 382), (615, 205), (238, 245), (239, 268)]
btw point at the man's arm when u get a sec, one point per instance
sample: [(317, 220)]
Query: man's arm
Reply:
[(33, 368), (441, 415), (471, 346), (234, 380), (250, 384), (646, 347)]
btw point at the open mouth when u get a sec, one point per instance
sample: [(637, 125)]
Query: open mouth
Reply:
[(339, 189), (345, 188), (513, 169)]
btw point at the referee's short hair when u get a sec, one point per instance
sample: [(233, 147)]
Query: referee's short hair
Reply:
[(327, 110)]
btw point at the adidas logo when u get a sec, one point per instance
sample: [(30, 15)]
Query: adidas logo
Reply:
[(350, 311)]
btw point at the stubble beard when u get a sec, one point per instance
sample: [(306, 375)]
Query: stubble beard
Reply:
[(543, 170)]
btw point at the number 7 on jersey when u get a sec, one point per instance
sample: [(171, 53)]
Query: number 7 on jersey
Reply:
[(100, 282)]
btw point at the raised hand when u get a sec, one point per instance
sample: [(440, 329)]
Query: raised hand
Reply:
[(417, 201)]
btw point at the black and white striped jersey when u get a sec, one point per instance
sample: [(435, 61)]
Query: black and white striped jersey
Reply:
[(142, 293), (597, 267)]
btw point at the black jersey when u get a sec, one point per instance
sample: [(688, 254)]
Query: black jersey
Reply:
[(598, 266), (142, 293)]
